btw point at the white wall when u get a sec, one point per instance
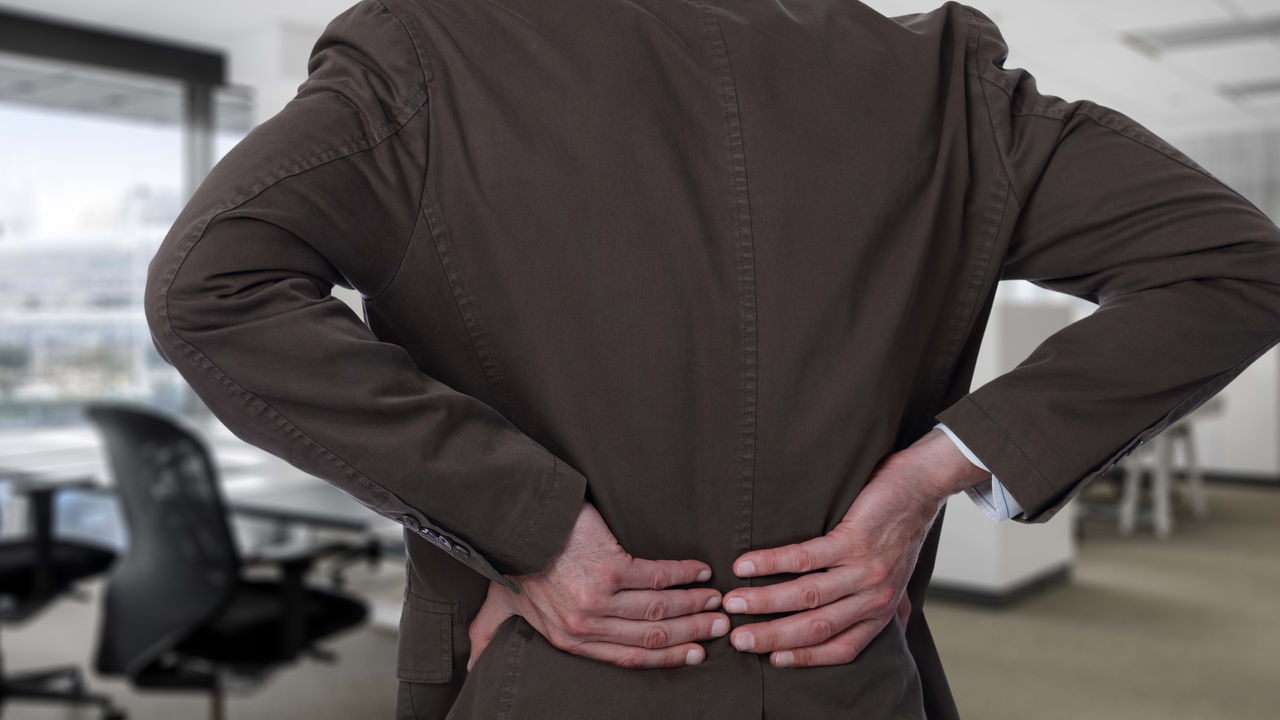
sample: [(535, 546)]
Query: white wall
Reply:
[(976, 553), (1244, 439)]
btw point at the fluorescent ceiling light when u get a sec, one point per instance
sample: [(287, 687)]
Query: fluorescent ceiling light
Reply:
[(1257, 87), (1155, 42)]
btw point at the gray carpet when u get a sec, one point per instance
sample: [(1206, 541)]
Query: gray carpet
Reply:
[(1180, 629)]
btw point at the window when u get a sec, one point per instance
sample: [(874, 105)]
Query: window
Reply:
[(96, 164)]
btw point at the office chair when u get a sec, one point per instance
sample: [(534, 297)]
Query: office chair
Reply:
[(35, 571), (177, 612)]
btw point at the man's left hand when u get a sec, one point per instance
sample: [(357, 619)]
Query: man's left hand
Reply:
[(855, 576)]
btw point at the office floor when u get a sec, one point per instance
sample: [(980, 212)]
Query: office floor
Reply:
[(361, 685), (1183, 629)]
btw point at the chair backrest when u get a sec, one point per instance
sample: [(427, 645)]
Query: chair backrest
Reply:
[(181, 562)]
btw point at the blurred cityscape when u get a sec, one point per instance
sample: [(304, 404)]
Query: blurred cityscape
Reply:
[(73, 326), (85, 199)]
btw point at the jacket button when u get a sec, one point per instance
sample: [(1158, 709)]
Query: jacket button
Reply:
[(462, 551), (412, 523)]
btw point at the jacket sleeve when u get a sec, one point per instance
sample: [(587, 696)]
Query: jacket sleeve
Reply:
[(238, 300), (1184, 270)]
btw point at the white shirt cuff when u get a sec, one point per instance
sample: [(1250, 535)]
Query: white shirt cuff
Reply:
[(990, 496)]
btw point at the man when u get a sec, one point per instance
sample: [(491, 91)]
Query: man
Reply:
[(656, 291)]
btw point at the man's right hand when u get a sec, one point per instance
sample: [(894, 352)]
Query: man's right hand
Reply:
[(596, 600)]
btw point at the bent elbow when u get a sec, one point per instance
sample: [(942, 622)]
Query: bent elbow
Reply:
[(155, 301)]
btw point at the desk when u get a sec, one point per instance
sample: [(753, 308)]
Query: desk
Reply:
[(305, 503), (40, 518), (254, 482)]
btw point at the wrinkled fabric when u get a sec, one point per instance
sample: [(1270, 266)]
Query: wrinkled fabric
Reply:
[(702, 264)]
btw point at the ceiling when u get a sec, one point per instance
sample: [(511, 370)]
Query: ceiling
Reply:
[(1218, 72), (1108, 51), (69, 87)]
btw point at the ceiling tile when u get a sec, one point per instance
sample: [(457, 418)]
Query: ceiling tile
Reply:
[(1107, 69), (1038, 25), (1259, 8), (1238, 61), (1072, 47), (1124, 15)]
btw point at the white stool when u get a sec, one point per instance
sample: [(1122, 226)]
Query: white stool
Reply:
[(1160, 449)]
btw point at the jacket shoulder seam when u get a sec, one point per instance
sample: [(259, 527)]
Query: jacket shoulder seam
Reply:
[(424, 60), (973, 42), (337, 150), (1098, 114)]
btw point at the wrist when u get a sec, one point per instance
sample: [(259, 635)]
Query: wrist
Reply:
[(949, 471)]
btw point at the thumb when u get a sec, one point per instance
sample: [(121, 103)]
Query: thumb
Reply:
[(486, 622)]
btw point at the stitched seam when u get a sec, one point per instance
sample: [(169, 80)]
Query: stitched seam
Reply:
[(413, 232), (430, 604), (974, 41), (424, 61), (1089, 112), (413, 709), (462, 301), (542, 506), (506, 696), (1030, 461), (478, 338), (427, 75), (276, 418), (1187, 399), (440, 667), (956, 341), (746, 274), (338, 150), (1210, 383), (1085, 108), (395, 275)]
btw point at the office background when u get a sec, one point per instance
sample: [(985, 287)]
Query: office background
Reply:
[(1148, 593)]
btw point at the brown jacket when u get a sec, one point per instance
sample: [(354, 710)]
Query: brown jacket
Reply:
[(703, 264)]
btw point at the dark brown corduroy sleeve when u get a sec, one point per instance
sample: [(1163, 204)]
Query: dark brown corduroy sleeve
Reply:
[(1184, 270), (238, 300)]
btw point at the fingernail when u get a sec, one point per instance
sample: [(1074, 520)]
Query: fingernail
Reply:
[(692, 657), (704, 575), (735, 604), (469, 664), (746, 567), (719, 627), (785, 659), (712, 602), (745, 641)]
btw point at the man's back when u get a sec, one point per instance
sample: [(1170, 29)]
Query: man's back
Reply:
[(701, 264)]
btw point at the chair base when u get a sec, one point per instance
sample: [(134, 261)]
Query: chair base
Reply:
[(60, 684)]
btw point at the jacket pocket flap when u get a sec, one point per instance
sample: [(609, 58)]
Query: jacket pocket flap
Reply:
[(424, 649)]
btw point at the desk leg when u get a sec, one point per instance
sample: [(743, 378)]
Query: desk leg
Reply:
[(1162, 486), (1195, 476), (1129, 494), (42, 530)]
